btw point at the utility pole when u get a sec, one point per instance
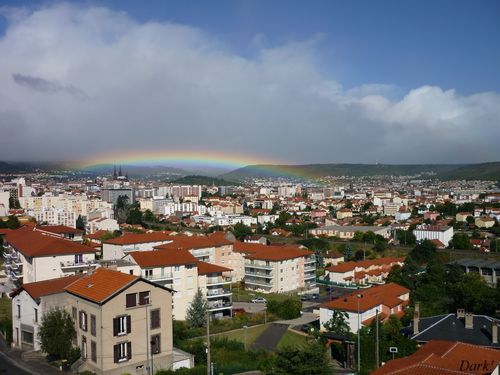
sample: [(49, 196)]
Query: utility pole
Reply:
[(359, 335), (150, 367), (209, 365), (377, 347)]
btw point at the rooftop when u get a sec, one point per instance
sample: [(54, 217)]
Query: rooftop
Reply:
[(156, 258), (46, 287)]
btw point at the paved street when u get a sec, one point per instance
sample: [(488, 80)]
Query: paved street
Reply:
[(270, 337)]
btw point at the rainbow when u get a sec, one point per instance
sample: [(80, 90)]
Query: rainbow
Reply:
[(198, 159)]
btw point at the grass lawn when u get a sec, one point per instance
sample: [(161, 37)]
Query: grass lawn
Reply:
[(293, 340), (251, 334), (5, 308)]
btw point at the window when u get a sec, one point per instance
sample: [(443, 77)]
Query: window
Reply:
[(144, 298), (131, 272), (131, 300), (78, 258), (27, 337), (18, 311), (93, 351), (189, 266), (155, 344), (149, 273), (155, 318), (74, 313), (122, 325), (84, 348), (177, 268), (35, 315), (83, 320), (122, 352), (92, 325)]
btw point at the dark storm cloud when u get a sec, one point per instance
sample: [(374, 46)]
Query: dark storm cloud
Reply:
[(44, 85)]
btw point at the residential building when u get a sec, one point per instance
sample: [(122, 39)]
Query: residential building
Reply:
[(344, 213), (277, 269), (117, 248), (348, 231), (61, 231), (101, 224), (30, 302), (332, 258), (484, 222), (461, 217), (362, 306), (488, 269), (473, 329), (33, 256), (441, 357), (215, 283), (433, 232), (363, 272)]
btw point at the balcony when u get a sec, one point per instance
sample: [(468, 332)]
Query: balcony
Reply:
[(258, 283), (220, 305), (259, 274), (201, 253), (310, 260), (164, 277), (71, 265), (218, 280), (258, 266), (308, 276), (211, 293), (309, 269), (7, 255)]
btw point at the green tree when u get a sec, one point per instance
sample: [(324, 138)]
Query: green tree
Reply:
[(241, 230), (338, 323), (56, 332), (196, 314), (122, 202), (13, 222), (308, 360), (460, 241), (134, 216), (347, 252), (149, 216), (80, 223)]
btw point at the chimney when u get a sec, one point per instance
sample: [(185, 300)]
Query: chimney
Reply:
[(460, 313), (469, 320), (494, 332), (416, 318)]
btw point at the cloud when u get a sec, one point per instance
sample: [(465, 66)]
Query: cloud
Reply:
[(164, 86)]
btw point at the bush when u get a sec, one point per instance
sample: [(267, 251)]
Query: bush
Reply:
[(6, 328), (73, 355), (286, 309)]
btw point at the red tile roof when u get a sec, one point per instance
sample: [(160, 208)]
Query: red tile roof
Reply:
[(46, 287), (439, 357), (132, 238), (206, 268), (102, 284), (272, 253), (35, 244), (58, 229), (388, 295), (156, 258), (349, 266)]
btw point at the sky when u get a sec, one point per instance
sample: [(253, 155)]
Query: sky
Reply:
[(385, 81)]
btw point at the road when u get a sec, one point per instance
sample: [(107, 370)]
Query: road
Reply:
[(8, 366)]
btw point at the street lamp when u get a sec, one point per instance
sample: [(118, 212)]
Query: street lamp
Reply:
[(358, 297)]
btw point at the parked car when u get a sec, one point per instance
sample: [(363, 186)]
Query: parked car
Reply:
[(304, 297), (259, 300)]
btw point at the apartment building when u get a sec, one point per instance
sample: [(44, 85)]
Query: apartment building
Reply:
[(61, 231), (215, 283), (362, 306), (33, 256), (101, 223), (123, 323), (277, 269), (117, 248), (347, 232), (363, 272), (488, 269), (433, 232)]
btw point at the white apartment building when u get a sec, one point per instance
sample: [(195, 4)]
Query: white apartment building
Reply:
[(101, 223), (432, 232), (226, 220), (117, 248), (31, 256)]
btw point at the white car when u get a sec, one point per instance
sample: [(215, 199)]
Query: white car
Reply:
[(259, 300)]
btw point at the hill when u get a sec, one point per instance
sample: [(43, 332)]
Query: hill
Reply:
[(204, 180), (485, 171)]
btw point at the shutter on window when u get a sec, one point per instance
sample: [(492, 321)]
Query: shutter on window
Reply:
[(129, 324), (115, 326), (80, 320), (116, 353), (129, 350)]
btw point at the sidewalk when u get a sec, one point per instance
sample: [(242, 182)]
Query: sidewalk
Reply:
[(32, 366)]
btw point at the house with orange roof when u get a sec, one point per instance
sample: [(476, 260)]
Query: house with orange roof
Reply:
[(439, 357), (362, 306), (373, 271), (62, 231), (123, 323), (276, 269), (31, 256)]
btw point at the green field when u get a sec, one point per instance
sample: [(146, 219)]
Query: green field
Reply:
[(240, 295), (292, 340)]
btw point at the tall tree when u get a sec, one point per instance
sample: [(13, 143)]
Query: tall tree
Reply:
[(13, 222), (307, 360), (338, 323), (196, 314), (80, 223), (57, 331)]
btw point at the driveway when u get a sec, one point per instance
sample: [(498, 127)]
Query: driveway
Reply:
[(306, 318), (270, 337)]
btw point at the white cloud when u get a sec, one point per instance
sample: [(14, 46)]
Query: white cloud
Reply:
[(91, 80)]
